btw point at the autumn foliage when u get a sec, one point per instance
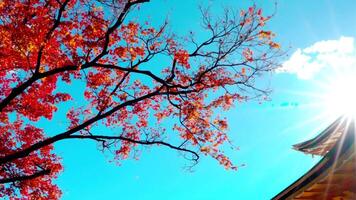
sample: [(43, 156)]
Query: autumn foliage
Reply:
[(50, 49)]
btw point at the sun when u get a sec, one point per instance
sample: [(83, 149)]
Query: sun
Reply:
[(339, 98), (327, 97)]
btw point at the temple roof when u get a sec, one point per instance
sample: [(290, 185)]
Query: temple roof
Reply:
[(333, 177), (323, 142)]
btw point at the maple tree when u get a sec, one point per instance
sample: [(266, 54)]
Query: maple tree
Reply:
[(46, 46)]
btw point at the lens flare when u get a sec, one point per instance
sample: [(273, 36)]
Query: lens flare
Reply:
[(340, 97)]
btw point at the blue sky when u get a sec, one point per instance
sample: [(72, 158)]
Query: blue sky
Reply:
[(264, 132)]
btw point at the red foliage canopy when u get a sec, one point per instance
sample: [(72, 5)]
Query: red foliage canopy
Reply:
[(47, 46)]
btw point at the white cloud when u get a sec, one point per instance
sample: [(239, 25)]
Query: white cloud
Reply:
[(307, 62), (343, 45)]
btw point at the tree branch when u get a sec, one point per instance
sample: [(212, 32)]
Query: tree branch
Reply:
[(55, 25), (142, 142), (25, 177), (22, 87)]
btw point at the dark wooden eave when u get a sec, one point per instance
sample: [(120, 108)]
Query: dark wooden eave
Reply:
[(322, 143), (333, 168)]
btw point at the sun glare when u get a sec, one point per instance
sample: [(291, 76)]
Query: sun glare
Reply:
[(340, 96)]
